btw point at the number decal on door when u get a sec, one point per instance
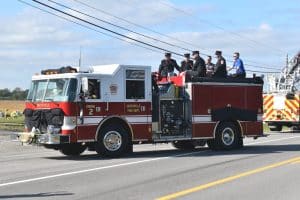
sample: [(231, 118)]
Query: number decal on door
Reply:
[(91, 111)]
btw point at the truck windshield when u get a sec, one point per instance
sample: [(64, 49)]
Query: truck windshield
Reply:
[(52, 90)]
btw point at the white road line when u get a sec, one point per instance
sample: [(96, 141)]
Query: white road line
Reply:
[(123, 164), (96, 169), (275, 140)]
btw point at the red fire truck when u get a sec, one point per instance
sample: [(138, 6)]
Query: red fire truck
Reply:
[(109, 108)]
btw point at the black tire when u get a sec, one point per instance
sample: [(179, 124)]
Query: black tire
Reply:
[(211, 144), (227, 137), (72, 149), (275, 128), (183, 145), (240, 143), (121, 144)]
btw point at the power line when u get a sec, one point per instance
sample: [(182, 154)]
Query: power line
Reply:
[(219, 27), (120, 27), (100, 27), (82, 25), (106, 29), (256, 66), (156, 32), (135, 24), (264, 72)]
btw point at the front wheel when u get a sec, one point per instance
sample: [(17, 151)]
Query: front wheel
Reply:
[(227, 137), (113, 141), (72, 149)]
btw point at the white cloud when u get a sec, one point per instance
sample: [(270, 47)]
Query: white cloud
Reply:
[(265, 27), (141, 12), (33, 40), (35, 29), (260, 44)]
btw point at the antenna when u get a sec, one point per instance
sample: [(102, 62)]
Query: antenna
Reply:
[(287, 59), (79, 57)]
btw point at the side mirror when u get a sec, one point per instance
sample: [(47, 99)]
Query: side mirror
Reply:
[(85, 85)]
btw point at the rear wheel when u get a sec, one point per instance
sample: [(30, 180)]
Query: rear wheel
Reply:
[(295, 128), (113, 141), (227, 137), (72, 149), (275, 127)]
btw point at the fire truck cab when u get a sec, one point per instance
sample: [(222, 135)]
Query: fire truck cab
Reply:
[(109, 108)]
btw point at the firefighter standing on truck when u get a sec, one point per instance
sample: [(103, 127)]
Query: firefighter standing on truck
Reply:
[(187, 63), (220, 67), (167, 65), (199, 68)]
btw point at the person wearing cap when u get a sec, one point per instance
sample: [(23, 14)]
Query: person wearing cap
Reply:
[(220, 67), (209, 67), (199, 67), (238, 65), (167, 66), (187, 63)]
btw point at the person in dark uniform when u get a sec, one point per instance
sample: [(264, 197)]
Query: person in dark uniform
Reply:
[(187, 63), (167, 66), (220, 67), (199, 67), (209, 67)]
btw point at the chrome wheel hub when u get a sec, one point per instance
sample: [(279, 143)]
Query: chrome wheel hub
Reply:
[(112, 140), (228, 136)]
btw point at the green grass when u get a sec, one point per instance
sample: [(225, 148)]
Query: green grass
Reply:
[(266, 128), (12, 128), (19, 121)]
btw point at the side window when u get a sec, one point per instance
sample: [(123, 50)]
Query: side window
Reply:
[(94, 89), (135, 84)]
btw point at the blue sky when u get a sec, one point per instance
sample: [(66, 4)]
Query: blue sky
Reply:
[(262, 31)]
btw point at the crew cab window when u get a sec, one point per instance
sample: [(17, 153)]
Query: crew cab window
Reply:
[(135, 84), (94, 89)]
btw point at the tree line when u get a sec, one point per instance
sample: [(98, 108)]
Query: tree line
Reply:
[(15, 94)]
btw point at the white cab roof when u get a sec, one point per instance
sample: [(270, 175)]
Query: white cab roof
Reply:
[(104, 69)]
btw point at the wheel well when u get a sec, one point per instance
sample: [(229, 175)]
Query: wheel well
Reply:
[(115, 120), (236, 123)]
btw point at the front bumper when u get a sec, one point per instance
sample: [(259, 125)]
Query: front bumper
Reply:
[(53, 139), (31, 138)]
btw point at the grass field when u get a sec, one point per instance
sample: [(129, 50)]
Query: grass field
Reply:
[(12, 105), (17, 124)]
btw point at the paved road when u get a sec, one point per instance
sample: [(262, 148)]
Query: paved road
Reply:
[(267, 168)]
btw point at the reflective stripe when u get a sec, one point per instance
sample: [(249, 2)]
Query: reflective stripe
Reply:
[(259, 117), (201, 118), (134, 119), (137, 120)]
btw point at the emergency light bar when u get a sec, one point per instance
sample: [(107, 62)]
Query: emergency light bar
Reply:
[(61, 70)]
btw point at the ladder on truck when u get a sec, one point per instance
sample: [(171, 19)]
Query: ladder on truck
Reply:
[(282, 99)]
